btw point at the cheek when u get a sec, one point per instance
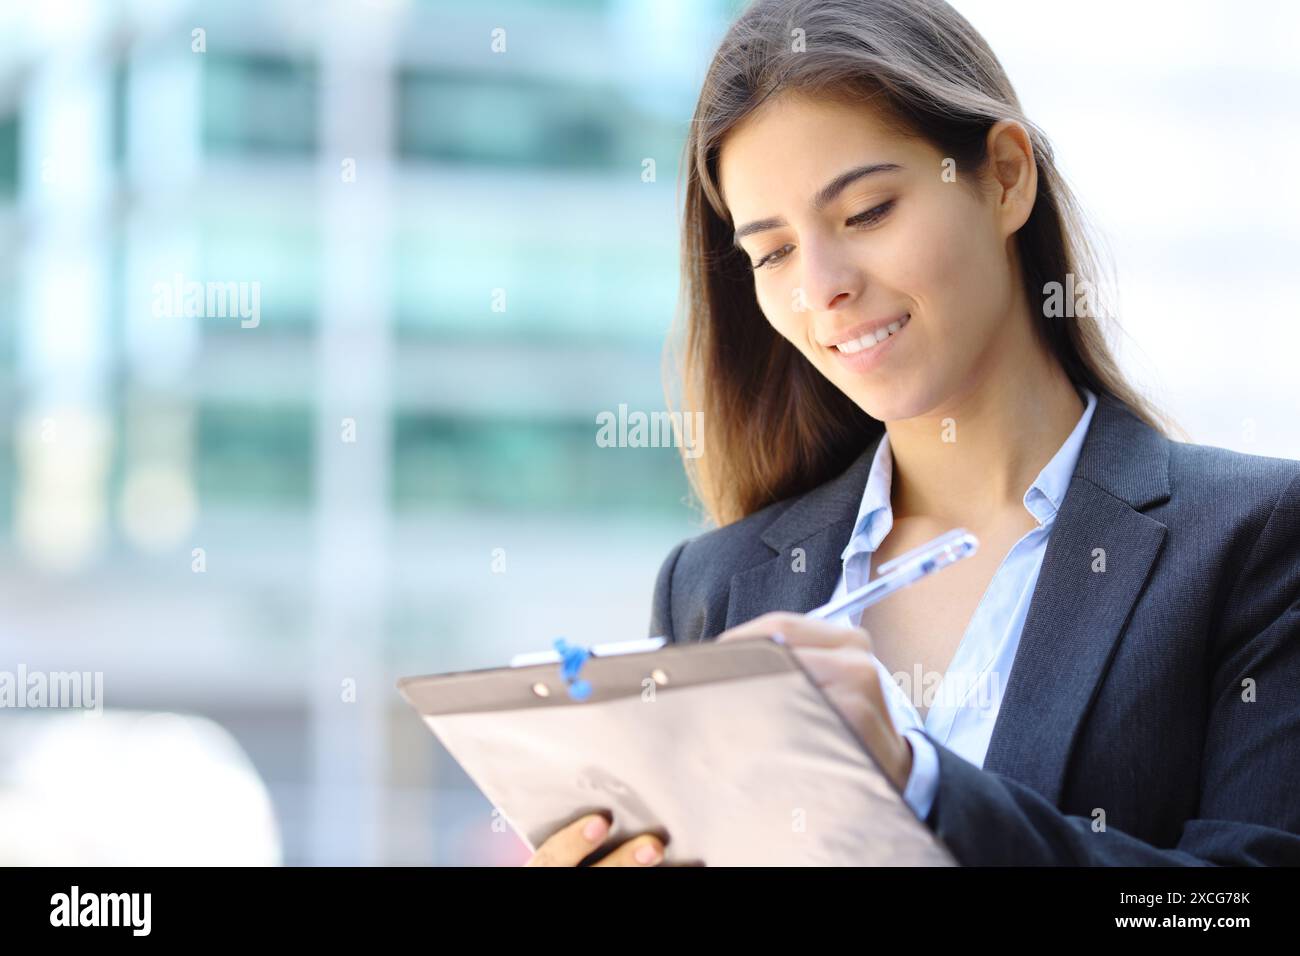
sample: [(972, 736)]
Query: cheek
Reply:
[(952, 270), (935, 250), (776, 299)]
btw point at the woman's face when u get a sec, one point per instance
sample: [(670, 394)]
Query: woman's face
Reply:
[(903, 247)]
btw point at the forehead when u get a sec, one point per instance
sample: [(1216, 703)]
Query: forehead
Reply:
[(791, 146)]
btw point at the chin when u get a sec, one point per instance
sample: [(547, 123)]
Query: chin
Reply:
[(885, 403)]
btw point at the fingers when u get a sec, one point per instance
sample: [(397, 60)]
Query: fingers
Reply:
[(646, 850), (569, 845), (800, 630), (850, 670), (852, 683), (827, 665), (845, 671), (572, 844)]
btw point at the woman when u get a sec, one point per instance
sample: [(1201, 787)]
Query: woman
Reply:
[(893, 328)]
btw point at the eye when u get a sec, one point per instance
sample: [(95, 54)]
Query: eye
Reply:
[(862, 220), (871, 216), (771, 256)]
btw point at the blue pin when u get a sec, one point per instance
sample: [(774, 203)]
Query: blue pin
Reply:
[(572, 657)]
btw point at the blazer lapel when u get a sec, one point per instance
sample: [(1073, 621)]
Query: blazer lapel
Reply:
[(1077, 613), (808, 539)]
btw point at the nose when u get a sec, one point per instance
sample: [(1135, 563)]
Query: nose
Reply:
[(830, 279)]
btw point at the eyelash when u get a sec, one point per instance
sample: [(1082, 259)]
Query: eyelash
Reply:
[(862, 220)]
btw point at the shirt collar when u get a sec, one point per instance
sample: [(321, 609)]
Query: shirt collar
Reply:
[(1044, 496), (1042, 499)]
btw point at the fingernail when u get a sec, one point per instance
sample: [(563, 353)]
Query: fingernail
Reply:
[(596, 829), (647, 854)]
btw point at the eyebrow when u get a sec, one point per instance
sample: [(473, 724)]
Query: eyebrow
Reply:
[(825, 196)]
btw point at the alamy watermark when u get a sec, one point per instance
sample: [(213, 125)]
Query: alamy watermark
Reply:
[(129, 910), (1073, 299), (954, 689), (75, 690), (181, 299), (626, 429)]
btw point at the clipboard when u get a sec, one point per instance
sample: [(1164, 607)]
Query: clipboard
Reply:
[(730, 749)]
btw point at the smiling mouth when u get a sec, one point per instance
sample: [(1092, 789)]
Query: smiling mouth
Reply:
[(872, 339)]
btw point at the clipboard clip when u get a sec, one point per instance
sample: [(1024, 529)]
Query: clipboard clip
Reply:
[(640, 646), (572, 657)]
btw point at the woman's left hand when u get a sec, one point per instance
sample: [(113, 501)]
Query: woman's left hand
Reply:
[(840, 660)]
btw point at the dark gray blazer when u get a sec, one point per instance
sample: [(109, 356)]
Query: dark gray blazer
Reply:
[(1130, 688)]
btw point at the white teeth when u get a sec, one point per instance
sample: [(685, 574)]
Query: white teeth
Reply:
[(871, 338)]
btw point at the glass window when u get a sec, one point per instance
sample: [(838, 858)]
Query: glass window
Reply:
[(258, 104), (527, 464), (8, 156), (255, 455), (523, 121)]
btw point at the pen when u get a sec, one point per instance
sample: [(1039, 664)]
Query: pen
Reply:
[(903, 570), (898, 573)]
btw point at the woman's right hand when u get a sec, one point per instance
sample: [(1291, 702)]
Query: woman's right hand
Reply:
[(584, 836)]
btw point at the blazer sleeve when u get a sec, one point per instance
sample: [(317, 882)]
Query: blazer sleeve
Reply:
[(661, 607), (1249, 812)]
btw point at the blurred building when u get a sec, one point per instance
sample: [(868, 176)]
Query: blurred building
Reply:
[(435, 255)]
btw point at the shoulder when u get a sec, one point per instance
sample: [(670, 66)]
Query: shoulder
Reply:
[(1234, 522), (696, 563), (757, 537), (1208, 466), (695, 578), (1215, 503), (1131, 460), (1209, 478)]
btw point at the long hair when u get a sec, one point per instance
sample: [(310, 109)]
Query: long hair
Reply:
[(777, 427)]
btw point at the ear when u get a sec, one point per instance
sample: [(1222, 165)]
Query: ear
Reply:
[(1015, 173)]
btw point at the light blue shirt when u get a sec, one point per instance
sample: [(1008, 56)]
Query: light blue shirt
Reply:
[(964, 704)]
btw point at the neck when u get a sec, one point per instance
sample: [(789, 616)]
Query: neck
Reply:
[(973, 457)]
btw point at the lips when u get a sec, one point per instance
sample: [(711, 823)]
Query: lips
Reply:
[(872, 336)]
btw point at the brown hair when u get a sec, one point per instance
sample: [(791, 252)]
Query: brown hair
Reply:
[(934, 76)]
